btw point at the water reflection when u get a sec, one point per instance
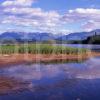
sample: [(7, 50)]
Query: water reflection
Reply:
[(8, 85), (61, 81), (89, 69)]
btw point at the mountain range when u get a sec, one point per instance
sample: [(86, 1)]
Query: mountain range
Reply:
[(22, 36)]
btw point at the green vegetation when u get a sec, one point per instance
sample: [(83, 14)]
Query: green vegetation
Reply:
[(39, 49), (95, 39)]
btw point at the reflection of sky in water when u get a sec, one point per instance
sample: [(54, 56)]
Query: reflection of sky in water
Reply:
[(86, 70)]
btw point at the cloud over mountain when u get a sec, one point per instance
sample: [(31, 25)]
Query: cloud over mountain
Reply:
[(90, 17), (23, 15)]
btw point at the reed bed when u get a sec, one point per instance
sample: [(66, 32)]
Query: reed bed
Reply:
[(39, 49)]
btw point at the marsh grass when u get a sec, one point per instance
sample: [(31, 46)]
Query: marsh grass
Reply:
[(39, 49)]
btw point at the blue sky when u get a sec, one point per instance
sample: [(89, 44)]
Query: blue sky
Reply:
[(66, 4), (54, 16)]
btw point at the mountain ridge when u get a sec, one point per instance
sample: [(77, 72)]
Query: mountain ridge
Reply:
[(37, 36)]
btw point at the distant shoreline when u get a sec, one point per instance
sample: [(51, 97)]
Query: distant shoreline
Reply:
[(11, 59)]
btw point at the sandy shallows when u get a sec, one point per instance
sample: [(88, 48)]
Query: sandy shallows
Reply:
[(21, 58)]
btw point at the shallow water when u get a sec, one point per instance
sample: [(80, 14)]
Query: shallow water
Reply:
[(59, 81), (87, 46)]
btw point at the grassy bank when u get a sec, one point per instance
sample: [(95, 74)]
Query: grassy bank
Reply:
[(39, 49)]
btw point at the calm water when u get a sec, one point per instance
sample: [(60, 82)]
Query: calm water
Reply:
[(60, 81), (89, 46)]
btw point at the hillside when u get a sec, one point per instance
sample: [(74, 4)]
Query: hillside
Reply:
[(80, 37)]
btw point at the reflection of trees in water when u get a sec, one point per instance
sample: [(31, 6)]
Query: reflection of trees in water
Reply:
[(64, 61)]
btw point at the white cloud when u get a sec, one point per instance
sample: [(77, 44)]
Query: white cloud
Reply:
[(18, 3), (33, 17), (21, 13), (90, 25), (83, 14), (91, 17), (48, 18)]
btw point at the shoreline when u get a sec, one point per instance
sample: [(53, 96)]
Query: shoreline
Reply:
[(22, 58)]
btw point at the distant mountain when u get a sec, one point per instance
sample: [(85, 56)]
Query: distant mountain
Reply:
[(40, 36), (94, 39), (78, 35), (22, 36), (11, 35)]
